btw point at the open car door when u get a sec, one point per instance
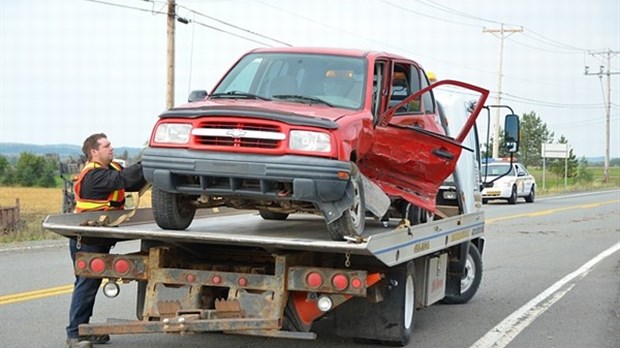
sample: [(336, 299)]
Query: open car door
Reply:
[(411, 162)]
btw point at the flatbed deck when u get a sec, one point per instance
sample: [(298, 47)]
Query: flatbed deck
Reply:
[(392, 245)]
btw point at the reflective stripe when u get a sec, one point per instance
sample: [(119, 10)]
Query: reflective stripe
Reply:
[(116, 196)]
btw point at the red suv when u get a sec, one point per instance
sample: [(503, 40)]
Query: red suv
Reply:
[(290, 130)]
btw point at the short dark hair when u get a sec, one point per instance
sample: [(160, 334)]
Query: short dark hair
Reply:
[(92, 143)]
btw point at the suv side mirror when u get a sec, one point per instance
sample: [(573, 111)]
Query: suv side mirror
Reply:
[(512, 133), (197, 95)]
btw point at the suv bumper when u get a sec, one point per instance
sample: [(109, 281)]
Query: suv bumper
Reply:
[(252, 176)]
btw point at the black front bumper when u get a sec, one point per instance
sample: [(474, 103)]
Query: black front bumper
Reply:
[(252, 176)]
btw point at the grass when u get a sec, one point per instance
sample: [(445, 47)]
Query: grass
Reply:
[(36, 203), (554, 184)]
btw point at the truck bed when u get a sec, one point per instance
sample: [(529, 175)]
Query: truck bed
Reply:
[(392, 245)]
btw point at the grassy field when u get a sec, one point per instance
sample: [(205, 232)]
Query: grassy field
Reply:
[(555, 183), (37, 203)]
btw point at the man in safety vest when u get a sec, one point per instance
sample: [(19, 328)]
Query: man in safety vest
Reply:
[(101, 186)]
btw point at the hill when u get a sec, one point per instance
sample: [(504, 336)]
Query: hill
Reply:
[(62, 150)]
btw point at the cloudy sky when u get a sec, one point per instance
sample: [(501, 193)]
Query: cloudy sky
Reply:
[(69, 68)]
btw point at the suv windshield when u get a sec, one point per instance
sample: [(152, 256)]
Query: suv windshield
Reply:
[(304, 78)]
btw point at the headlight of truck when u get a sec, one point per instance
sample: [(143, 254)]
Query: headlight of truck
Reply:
[(310, 141), (174, 133)]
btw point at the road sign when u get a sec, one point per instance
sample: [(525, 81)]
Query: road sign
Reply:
[(555, 150)]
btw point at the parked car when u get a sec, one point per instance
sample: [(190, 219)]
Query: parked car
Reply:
[(508, 181)]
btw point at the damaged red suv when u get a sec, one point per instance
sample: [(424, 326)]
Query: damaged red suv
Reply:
[(312, 130)]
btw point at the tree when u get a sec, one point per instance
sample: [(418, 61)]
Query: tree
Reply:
[(7, 174), (33, 170), (584, 175), (558, 165), (534, 133)]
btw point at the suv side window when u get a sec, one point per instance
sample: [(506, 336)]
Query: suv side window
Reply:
[(405, 82), (428, 101)]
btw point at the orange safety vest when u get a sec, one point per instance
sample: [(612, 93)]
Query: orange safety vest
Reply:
[(116, 196)]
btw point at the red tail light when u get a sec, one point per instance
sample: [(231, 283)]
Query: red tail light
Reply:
[(97, 265), (340, 281), (314, 280), (121, 266)]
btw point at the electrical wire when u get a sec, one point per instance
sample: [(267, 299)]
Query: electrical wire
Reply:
[(234, 26)]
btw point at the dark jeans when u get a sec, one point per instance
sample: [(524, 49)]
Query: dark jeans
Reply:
[(84, 290)]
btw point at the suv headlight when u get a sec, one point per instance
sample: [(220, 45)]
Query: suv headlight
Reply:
[(310, 141), (174, 133)]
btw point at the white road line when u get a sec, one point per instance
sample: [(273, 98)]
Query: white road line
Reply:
[(501, 335)]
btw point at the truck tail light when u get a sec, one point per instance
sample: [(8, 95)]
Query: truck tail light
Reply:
[(314, 280), (340, 281), (121, 266), (97, 265)]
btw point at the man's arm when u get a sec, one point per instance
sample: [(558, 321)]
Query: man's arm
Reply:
[(100, 182)]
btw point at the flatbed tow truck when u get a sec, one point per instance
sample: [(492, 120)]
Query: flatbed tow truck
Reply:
[(255, 274)]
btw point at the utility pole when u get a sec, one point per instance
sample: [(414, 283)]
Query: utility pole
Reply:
[(170, 62), (609, 53), (500, 33)]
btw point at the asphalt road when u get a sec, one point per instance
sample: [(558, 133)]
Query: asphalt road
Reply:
[(551, 279)]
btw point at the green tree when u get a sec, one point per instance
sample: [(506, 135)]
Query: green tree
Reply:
[(584, 174), (558, 165), (7, 173), (32, 170), (534, 133)]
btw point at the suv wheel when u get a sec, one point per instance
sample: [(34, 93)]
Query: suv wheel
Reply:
[(352, 221)]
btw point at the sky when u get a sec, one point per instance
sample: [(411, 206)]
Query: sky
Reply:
[(70, 68)]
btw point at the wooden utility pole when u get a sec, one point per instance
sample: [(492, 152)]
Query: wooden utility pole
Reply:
[(170, 51), (609, 53), (501, 33)]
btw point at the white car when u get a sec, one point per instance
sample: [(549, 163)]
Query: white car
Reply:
[(517, 183)]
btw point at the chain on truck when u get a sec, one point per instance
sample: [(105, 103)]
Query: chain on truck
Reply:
[(373, 167)]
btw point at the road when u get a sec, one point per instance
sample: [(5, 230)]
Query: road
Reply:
[(551, 279)]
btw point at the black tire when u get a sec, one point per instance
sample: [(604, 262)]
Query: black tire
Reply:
[(172, 211), (470, 279), (353, 220), (530, 198), (390, 321), (400, 305), (485, 201), (270, 215), (513, 196), (417, 215)]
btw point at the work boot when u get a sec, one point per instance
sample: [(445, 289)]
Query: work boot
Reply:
[(79, 343), (96, 339)]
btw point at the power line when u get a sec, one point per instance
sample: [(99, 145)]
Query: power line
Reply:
[(234, 26)]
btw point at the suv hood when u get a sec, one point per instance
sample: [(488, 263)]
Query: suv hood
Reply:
[(274, 109)]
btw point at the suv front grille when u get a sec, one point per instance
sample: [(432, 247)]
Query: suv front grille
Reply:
[(238, 134)]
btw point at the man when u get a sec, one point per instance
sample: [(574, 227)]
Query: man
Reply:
[(101, 186)]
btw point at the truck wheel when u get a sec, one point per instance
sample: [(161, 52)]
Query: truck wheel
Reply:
[(513, 196), (400, 305), (389, 321), (417, 215), (530, 198), (172, 211), (270, 215), (352, 221), (470, 279)]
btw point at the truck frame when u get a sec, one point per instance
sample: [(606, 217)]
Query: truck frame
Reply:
[(256, 277)]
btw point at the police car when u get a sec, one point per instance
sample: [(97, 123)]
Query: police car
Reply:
[(516, 183)]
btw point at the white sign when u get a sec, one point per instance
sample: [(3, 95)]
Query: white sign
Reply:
[(555, 150)]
